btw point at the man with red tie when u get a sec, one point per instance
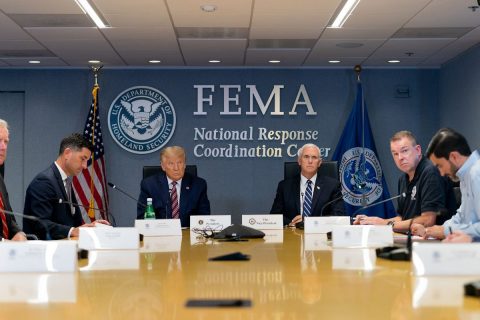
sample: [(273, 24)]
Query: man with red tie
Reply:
[(10, 229)]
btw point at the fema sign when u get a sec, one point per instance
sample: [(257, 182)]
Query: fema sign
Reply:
[(141, 119)]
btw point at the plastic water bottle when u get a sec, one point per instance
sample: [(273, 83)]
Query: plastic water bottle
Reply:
[(149, 212)]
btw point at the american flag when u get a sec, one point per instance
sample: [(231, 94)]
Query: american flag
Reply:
[(90, 185)]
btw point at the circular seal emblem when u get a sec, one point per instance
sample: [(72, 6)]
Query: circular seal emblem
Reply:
[(252, 221), (361, 176), (141, 119)]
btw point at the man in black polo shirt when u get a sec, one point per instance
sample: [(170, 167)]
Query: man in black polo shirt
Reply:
[(426, 191)]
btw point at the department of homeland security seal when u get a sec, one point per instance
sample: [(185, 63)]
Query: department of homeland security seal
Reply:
[(141, 119), (361, 176)]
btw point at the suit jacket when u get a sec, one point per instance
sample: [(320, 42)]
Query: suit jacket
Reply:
[(287, 199), (13, 228), (193, 197), (41, 200)]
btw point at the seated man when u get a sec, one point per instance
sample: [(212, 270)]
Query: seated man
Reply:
[(450, 153), (44, 192), (175, 194), (9, 228), (427, 193), (307, 194)]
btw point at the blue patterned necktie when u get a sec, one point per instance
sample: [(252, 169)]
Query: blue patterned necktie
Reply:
[(307, 202)]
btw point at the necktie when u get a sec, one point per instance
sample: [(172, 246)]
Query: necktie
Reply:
[(174, 199), (68, 188), (307, 202), (4, 219)]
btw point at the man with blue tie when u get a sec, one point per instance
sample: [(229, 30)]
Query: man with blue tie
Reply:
[(306, 194), (175, 194)]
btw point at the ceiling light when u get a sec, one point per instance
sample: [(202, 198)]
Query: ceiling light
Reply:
[(154, 61), (94, 61), (344, 13), (274, 61), (34, 61), (393, 61), (208, 7), (92, 13), (334, 61), (214, 61)]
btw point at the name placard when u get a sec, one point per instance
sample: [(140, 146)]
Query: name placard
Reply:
[(38, 256), (161, 244), (38, 287), (446, 259), (362, 236), (214, 222), (112, 260), (353, 259), (108, 239), (324, 224), (263, 221), (159, 227)]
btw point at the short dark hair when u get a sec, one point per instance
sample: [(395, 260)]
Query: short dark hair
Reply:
[(445, 141), (76, 142)]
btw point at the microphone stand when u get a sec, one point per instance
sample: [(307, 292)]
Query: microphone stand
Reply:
[(32, 218)]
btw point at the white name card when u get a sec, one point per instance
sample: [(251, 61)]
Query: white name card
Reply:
[(161, 244), (324, 224), (446, 259), (214, 222), (159, 227), (38, 288), (362, 236), (263, 221), (38, 256), (112, 260), (353, 259), (108, 238)]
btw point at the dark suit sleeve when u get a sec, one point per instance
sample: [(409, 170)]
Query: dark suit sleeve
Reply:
[(13, 227), (38, 202), (278, 206)]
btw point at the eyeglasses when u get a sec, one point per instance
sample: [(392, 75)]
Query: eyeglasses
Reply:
[(208, 231)]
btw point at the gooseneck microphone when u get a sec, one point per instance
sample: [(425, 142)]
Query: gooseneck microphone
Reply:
[(109, 216), (111, 185), (32, 218), (401, 195), (329, 203)]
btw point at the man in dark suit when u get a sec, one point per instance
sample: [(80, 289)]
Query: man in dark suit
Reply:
[(42, 198), (308, 193), (175, 194), (9, 228)]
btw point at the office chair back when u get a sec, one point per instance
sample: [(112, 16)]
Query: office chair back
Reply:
[(328, 168), (151, 170)]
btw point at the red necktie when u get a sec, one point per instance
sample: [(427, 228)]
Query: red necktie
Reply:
[(4, 219), (174, 199)]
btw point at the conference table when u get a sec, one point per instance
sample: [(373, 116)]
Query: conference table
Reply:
[(290, 275)]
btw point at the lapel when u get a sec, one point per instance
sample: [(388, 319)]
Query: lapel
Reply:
[(316, 192), (165, 193), (58, 178), (185, 193), (296, 192)]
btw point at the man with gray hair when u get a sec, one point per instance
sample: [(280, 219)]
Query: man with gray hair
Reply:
[(10, 229), (308, 193)]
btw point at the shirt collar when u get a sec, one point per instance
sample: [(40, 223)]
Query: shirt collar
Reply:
[(474, 157), (304, 180), (179, 182), (62, 173)]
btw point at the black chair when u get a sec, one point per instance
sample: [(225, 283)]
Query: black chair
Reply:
[(151, 170), (328, 168)]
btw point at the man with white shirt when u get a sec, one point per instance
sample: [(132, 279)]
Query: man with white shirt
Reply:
[(451, 154), (42, 199), (307, 193), (175, 193)]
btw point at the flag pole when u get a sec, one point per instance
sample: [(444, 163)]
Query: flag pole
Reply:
[(358, 71), (91, 210)]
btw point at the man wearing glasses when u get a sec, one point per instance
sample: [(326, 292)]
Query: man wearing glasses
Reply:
[(306, 194), (426, 191)]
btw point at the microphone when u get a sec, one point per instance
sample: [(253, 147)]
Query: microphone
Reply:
[(401, 195), (32, 218), (329, 203), (143, 205), (61, 201)]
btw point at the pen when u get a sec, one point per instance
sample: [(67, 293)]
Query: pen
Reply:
[(450, 230)]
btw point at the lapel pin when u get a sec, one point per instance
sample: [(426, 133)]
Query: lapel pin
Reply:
[(318, 188)]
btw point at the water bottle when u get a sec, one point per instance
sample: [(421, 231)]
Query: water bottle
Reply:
[(149, 212)]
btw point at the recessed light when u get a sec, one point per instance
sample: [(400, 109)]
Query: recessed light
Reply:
[(393, 61), (334, 61), (214, 61), (154, 61), (34, 61), (274, 61), (94, 61), (208, 7)]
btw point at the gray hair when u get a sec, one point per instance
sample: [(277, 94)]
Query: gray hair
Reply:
[(3, 124), (308, 145)]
